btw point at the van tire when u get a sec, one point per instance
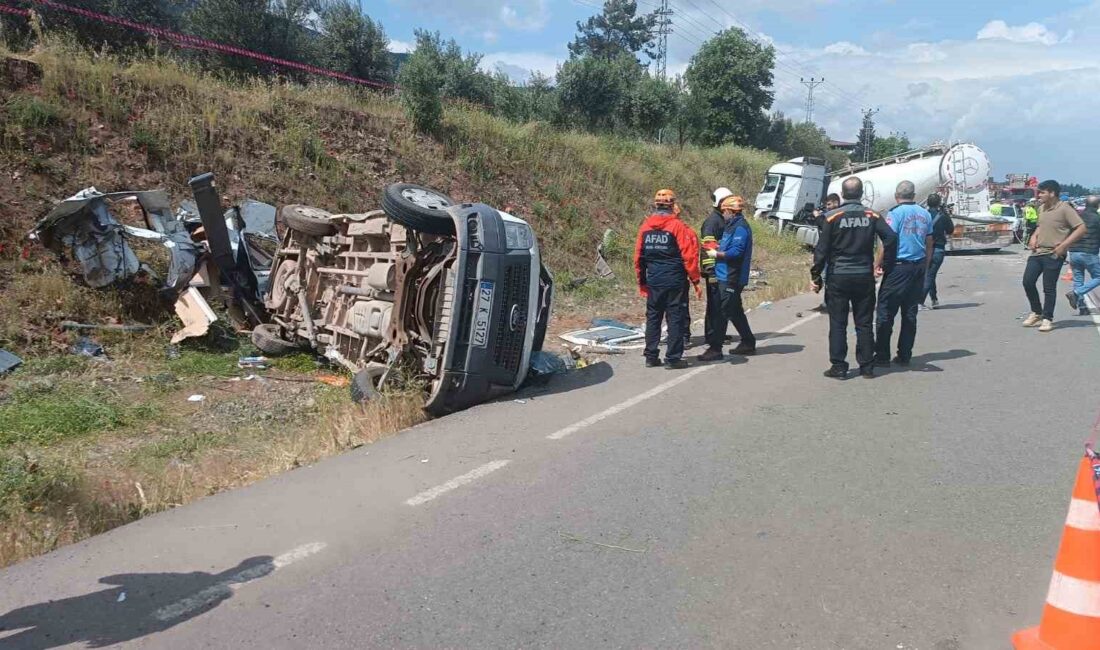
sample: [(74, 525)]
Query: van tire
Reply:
[(307, 220), (267, 339), (419, 208)]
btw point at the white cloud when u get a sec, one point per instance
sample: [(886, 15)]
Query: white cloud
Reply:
[(528, 17), (401, 46), (1029, 33), (845, 48), (520, 65)]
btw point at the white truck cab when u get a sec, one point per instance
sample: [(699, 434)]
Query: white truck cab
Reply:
[(789, 186)]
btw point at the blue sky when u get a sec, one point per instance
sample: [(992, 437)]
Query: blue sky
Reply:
[(1007, 75)]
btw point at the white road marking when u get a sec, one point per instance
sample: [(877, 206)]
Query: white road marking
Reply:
[(457, 482), (1095, 315), (653, 392), (225, 588), (622, 406)]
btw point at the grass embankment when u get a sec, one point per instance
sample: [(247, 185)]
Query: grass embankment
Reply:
[(86, 445)]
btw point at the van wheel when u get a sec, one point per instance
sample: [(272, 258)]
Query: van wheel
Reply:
[(268, 340), (307, 220), (419, 208)]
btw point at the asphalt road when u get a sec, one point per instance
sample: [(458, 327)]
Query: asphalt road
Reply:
[(745, 505)]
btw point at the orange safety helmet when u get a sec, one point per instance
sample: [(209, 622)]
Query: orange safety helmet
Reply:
[(664, 198), (735, 203)]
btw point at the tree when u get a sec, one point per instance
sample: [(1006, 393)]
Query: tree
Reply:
[(865, 144), (592, 90), (649, 106), (462, 78), (352, 43), (897, 143), (96, 34), (615, 31), (730, 79), (246, 24), (421, 80)]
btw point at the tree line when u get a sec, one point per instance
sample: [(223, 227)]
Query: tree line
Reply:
[(724, 96)]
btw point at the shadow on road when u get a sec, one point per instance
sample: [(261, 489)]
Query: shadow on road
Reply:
[(1066, 324), (779, 349), (767, 336), (137, 605), (586, 377), (959, 305)]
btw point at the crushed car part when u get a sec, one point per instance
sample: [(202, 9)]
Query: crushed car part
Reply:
[(462, 310)]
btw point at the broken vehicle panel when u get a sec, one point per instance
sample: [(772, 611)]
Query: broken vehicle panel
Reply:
[(84, 227), (465, 310)]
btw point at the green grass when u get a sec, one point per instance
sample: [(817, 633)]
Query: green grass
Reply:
[(201, 363), (46, 412), (32, 113), (183, 447), (53, 365), (299, 362), (29, 483)]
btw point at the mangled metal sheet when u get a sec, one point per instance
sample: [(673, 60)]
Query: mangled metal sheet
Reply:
[(196, 314), (83, 227)]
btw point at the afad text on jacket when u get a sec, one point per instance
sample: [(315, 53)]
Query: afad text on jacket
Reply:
[(667, 252)]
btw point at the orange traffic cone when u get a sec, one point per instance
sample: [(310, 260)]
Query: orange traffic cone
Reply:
[(1068, 275), (1071, 617)]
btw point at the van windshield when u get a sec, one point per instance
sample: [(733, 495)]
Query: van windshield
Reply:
[(770, 183)]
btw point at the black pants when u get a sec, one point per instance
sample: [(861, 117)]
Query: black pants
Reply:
[(1049, 267), (902, 289), (857, 292), (733, 311), (666, 304), (686, 326), (714, 319)]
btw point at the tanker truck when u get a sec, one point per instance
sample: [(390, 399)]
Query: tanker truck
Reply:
[(959, 173)]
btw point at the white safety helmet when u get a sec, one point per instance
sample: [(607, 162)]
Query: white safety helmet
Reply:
[(719, 194)]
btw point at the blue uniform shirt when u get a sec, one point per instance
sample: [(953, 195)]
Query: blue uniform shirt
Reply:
[(913, 224), (736, 243)]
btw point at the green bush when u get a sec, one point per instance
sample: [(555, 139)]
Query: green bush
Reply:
[(421, 83)]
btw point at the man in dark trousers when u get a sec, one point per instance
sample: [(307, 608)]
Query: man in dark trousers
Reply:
[(1059, 228), (903, 276), (942, 227), (666, 259), (733, 259), (847, 245), (832, 202), (1084, 255), (709, 235)]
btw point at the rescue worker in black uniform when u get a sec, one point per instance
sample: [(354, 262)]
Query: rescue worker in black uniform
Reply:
[(847, 245), (709, 235)]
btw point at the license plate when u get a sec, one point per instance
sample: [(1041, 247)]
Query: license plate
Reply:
[(975, 228), (484, 311)]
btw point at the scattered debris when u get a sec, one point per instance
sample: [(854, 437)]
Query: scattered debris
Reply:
[(259, 363), (607, 334), (109, 327), (86, 347), (196, 314), (339, 381), (569, 537), (520, 401), (121, 597), (423, 460), (767, 304), (196, 398), (8, 362), (798, 314)]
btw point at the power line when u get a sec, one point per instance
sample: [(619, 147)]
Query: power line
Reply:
[(664, 26)]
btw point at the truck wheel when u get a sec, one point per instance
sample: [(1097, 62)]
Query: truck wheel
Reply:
[(419, 208), (266, 338), (307, 220)]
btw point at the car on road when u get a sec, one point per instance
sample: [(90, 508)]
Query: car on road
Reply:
[(452, 296)]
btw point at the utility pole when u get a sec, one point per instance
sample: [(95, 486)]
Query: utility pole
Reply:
[(664, 28), (810, 85), (867, 134)]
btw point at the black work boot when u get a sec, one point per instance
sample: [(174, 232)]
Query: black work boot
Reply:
[(712, 354), (900, 361), (677, 364), (653, 362), (837, 371), (868, 371), (744, 350), (882, 362), (1071, 296)]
